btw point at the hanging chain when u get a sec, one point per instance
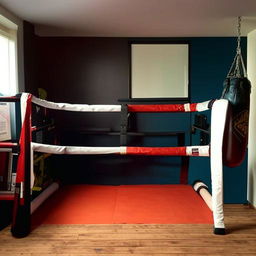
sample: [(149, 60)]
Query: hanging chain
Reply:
[(237, 68), (238, 49)]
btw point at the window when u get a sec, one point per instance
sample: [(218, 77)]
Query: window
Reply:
[(159, 70), (8, 57)]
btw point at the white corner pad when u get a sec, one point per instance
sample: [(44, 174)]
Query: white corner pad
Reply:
[(218, 119), (23, 105)]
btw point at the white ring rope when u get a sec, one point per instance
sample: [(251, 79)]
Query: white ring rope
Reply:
[(73, 150), (43, 196), (105, 108), (76, 107)]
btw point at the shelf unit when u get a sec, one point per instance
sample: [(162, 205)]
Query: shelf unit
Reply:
[(12, 148)]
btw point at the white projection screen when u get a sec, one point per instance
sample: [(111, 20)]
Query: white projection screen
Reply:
[(159, 71)]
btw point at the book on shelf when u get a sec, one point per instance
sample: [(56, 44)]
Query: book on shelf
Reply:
[(4, 172), (8, 162)]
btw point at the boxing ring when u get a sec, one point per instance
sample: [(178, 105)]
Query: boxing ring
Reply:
[(24, 207)]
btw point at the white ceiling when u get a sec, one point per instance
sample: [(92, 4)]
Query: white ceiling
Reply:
[(135, 18)]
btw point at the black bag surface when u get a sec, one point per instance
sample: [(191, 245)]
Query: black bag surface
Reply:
[(237, 90)]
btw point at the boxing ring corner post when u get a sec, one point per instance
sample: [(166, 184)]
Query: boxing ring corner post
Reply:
[(218, 121), (21, 221), (23, 207)]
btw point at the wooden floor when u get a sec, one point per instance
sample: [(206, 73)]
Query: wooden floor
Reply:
[(139, 239)]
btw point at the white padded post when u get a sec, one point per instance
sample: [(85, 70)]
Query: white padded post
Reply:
[(23, 105), (218, 119), (32, 175)]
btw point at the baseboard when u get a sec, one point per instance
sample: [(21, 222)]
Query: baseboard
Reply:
[(252, 206)]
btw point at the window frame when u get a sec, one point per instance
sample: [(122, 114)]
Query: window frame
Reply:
[(11, 34), (13, 22)]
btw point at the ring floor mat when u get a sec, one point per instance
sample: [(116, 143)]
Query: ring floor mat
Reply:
[(131, 204)]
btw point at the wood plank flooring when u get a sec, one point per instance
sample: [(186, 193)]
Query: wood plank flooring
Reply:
[(139, 239)]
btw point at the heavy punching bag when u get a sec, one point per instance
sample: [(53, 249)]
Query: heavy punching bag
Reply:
[(237, 89)]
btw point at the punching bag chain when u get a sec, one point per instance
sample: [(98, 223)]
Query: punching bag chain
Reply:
[(237, 68), (238, 49)]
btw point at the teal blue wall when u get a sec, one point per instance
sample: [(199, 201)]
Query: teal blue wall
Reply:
[(210, 62)]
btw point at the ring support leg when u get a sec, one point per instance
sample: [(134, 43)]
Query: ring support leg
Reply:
[(219, 231)]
